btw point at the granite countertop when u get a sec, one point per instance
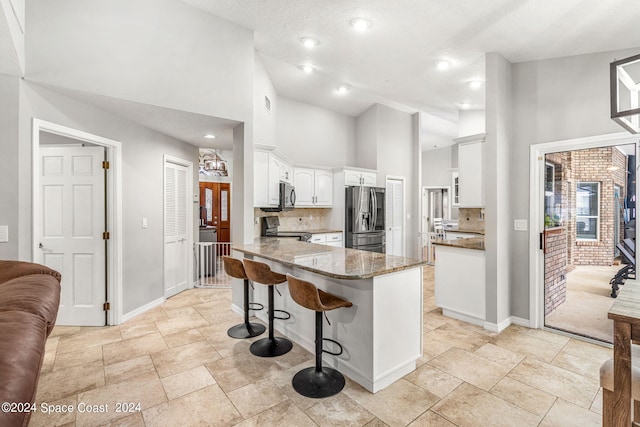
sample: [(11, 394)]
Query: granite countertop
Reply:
[(457, 230), (314, 231), (339, 263), (476, 243)]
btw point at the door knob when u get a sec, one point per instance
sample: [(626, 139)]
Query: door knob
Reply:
[(40, 246)]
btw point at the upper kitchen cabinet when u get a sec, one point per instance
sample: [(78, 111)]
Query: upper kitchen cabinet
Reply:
[(269, 171), (314, 187), (360, 177), (471, 171)]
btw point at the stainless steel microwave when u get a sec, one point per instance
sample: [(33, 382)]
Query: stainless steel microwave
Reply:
[(287, 196), (286, 199)]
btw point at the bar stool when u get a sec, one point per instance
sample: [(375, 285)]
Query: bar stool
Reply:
[(260, 272), (317, 381), (234, 268)]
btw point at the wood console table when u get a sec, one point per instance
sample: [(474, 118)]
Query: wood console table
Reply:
[(625, 313)]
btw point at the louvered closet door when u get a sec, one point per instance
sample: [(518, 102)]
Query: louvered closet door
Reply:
[(395, 220), (176, 251)]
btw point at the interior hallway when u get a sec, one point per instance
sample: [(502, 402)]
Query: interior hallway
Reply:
[(179, 364)]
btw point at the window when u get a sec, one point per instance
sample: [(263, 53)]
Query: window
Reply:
[(455, 184), (587, 210), (549, 179)]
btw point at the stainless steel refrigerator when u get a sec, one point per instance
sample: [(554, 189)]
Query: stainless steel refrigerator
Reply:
[(364, 218)]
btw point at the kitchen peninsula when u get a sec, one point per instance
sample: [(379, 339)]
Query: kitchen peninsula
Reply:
[(459, 278), (382, 332)]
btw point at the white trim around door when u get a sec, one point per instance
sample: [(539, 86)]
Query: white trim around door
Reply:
[(536, 205), (114, 205)]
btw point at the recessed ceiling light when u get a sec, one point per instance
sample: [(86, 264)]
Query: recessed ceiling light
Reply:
[(307, 68), (465, 105), (361, 24), (443, 65), (309, 42), (342, 89), (210, 136), (475, 84)]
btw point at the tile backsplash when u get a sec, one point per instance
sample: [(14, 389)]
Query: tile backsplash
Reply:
[(296, 219), (471, 219)]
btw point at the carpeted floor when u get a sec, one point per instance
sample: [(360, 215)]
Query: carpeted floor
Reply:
[(588, 301)]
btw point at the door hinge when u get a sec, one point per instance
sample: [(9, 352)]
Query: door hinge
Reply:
[(106, 306), (105, 235), (105, 165)]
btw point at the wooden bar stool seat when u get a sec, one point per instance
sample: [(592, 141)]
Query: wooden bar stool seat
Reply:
[(259, 272), (234, 268), (317, 381)]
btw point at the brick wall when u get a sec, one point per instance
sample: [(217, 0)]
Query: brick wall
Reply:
[(592, 165), (555, 272)]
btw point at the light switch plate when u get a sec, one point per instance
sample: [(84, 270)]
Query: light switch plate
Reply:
[(145, 223), (520, 224), (4, 233)]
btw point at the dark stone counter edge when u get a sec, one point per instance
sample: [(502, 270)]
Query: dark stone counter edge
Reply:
[(460, 243), (417, 263)]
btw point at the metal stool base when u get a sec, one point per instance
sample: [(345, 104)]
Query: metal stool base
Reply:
[(246, 330), (271, 347), (317, 384)]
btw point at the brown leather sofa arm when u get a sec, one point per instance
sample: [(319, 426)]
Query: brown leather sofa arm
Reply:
[(12, 269)]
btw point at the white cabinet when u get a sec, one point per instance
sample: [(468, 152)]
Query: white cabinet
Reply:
[(314, 187), (471, 171), (460, 283), (328, 239), (356, 177), (334, 239), (319, 239), (286, 172), (269, 170)]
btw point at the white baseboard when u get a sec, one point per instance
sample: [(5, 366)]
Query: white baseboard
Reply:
[(499, 327), (138, 311), (463, 316), (520, 321)]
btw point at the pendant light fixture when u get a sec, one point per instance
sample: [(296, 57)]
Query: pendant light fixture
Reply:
[(625, 93)]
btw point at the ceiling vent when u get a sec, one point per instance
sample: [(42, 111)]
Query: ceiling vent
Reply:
[(267, 104)]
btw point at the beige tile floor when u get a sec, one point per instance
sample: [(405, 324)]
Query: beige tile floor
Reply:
[(177, 366)]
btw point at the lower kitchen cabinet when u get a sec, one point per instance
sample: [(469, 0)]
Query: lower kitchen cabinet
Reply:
[(329, 239), (460, 283)]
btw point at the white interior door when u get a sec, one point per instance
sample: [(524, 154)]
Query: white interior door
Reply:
[(176, 243), (72, 215), (395, 216)]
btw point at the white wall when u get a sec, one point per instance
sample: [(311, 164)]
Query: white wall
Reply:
[(498, 217), (158, 52), (142, 156), (9, 192), (399, 156), (367, 139), (436, 132), (554, 99), (264, 121), (12, 26), (307, 134), (471, 122), (436, 167)]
